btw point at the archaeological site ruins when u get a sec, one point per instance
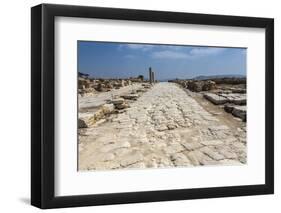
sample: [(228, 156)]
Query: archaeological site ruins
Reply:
[(141, 122)]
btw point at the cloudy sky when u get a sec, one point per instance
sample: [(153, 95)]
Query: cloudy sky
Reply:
[(120, 60)]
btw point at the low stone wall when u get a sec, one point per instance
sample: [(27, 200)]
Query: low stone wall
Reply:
[(232, 81), (87, 86), (211, 84), (223, 98), (197, 86), (215, 99)]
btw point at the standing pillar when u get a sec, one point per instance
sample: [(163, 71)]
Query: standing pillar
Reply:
[(150, 75), (153, 80)]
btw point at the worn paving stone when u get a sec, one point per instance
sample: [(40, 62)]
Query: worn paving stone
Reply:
[(226, 151), (164, 127), (179, 159), (212, 142), (131, 159), (174, 148), (111, 147), (194, 157), (212, 153), (191, 145)]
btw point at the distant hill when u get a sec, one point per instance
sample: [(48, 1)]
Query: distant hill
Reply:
[(205, 77), (165, 79)]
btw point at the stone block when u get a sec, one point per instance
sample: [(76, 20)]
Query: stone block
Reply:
[(117, 101), (215, 99), (240, 112), (130, 96)]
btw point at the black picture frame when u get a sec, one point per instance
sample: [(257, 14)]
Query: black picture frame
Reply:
[(43, 102)]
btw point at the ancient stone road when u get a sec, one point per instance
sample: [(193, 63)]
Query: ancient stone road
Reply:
[(165, 127)]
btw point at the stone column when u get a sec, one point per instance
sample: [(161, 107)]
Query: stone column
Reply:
[(150, 75)]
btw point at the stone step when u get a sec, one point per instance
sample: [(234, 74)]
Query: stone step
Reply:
[(237, 111), (88, 119), (215, 99)]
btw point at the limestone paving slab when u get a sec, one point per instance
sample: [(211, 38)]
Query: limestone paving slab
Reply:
[(164, 127)]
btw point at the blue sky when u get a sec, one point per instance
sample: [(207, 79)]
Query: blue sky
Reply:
[(122, 60)]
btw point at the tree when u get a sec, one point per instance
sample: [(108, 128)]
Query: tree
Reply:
[(83, 74), (141, 77)]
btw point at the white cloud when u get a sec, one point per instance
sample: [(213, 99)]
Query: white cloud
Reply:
[(146, 47), (200, 51), (171, 51), (172, 47), (169, 54), (142, 47), (193, 53)]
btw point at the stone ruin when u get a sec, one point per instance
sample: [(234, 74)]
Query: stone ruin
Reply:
[(117, 104), (229, 92), (197, 86), (151, 76), (89, 86)]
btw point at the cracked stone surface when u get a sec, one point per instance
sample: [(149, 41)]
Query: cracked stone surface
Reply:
[(101, 98), (165, 127)]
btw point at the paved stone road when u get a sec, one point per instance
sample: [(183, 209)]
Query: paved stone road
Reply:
[(165, 127)]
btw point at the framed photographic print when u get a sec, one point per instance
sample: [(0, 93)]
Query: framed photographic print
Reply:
[(139, 106)]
